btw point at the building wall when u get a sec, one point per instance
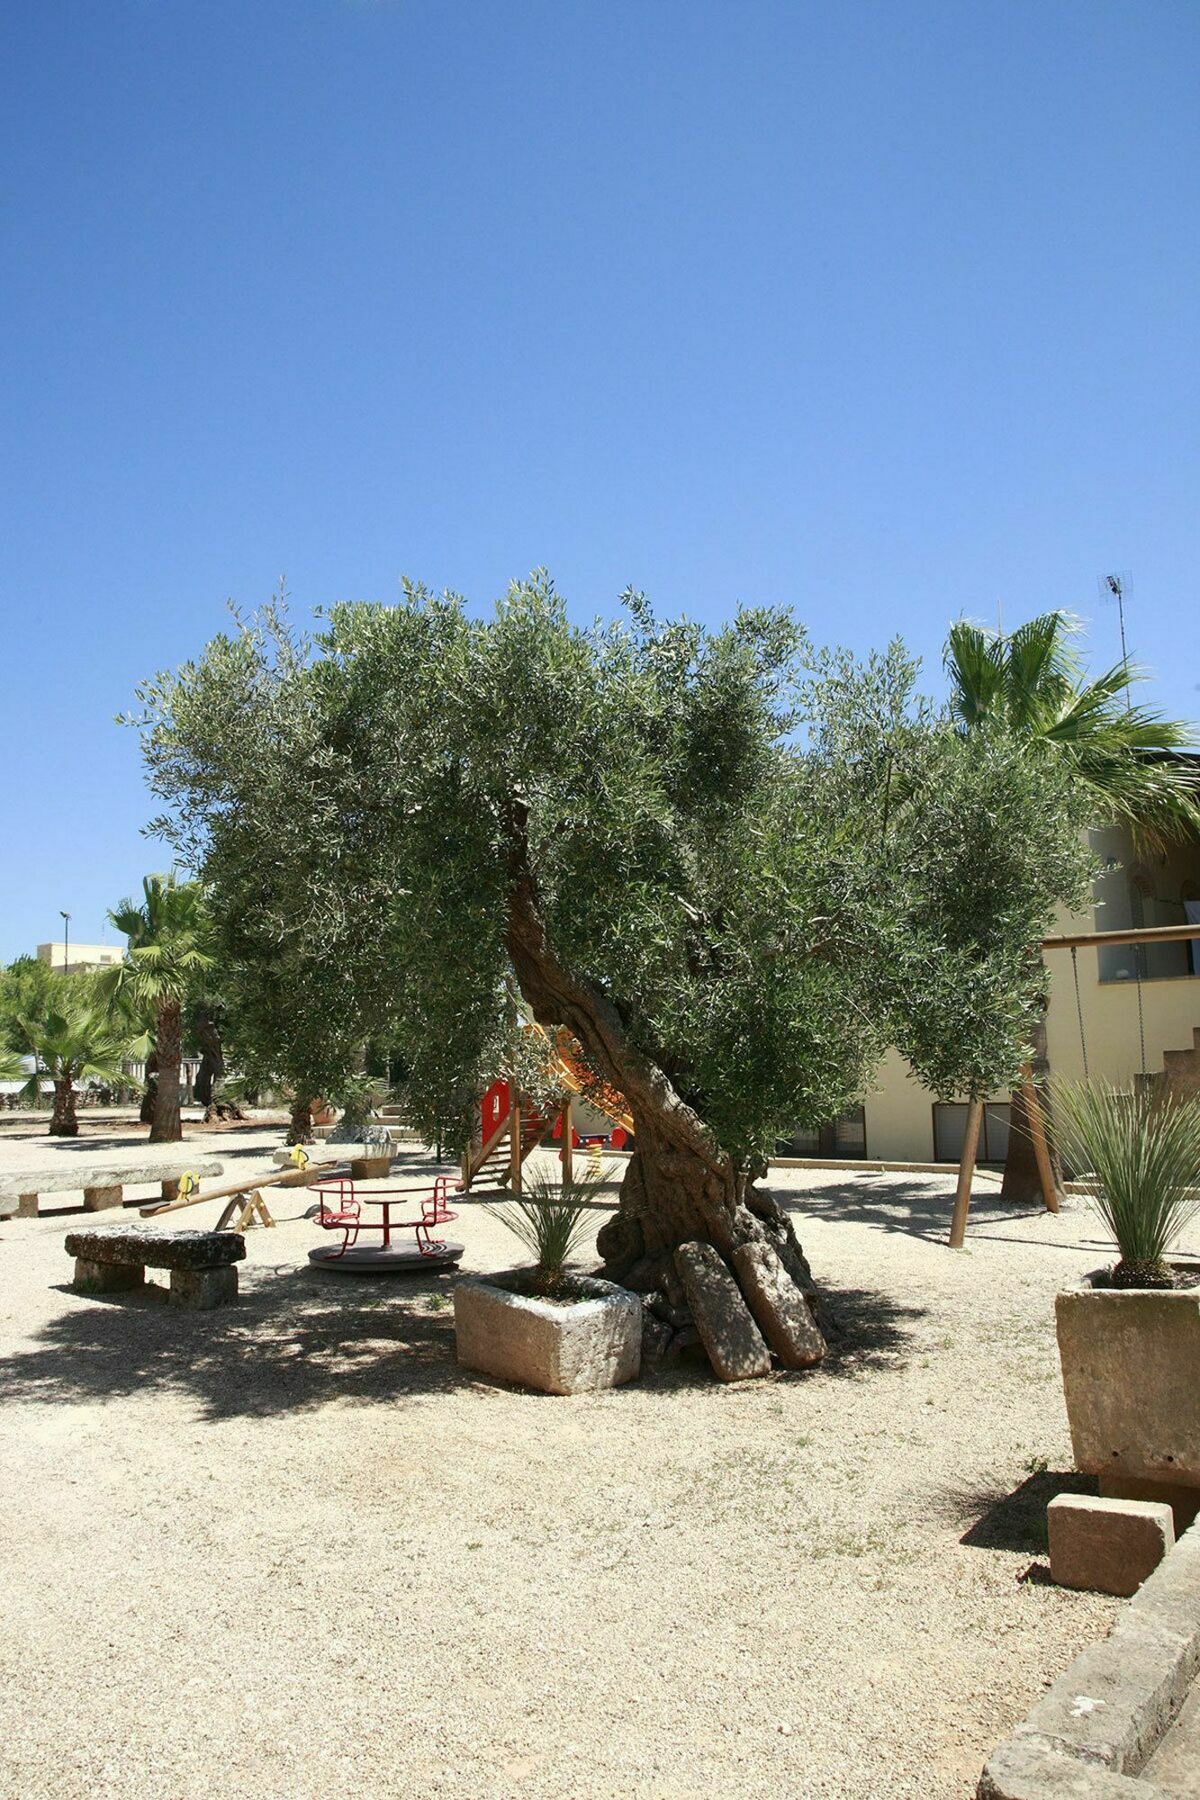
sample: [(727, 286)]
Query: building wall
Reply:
[(899, 1111), (82, 956)]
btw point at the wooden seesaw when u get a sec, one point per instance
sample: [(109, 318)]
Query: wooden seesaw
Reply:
[(246, 1204)]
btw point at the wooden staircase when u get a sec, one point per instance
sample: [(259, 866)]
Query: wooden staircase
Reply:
[(490, 1164)]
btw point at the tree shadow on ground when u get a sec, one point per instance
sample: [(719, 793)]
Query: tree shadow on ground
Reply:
[(868, 1329), (307, 1337), (296, 1339), (1015, 1520), (911, 1204)]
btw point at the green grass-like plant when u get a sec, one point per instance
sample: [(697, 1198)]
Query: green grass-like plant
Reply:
[(550, 1219), (1142, 1153)]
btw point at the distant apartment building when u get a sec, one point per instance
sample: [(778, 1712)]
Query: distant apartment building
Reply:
[(900, 1120), (81, 956)]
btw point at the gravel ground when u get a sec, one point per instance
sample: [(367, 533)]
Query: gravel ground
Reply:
[(290, 1550)]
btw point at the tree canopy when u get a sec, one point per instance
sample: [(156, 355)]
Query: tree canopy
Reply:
[(736, 865)]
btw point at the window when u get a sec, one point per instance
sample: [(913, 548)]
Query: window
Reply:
[(845, 1137), (950, 1127)]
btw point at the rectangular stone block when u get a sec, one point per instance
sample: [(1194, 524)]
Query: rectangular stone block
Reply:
[(105, 1278), (1183, 1501), (780, 1310), (726, 1325), (27, 1206), (1107, 1546), (202, 1289), (592, 1342), (1131, 1380), (96, 1198)]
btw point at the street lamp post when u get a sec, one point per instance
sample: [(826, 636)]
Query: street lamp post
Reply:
[(66, 919)]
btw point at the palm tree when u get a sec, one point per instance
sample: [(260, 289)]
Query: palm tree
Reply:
[(1124, 757), (73, 1039), (166, 957)]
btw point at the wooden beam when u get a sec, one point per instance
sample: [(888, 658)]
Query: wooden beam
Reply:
[(285, 1178), (1147, 934), (514, 1139), (568, 1148), (1037, 1130), (966, 1171)]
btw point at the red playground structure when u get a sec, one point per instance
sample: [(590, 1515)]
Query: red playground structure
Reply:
[(340, 1208)]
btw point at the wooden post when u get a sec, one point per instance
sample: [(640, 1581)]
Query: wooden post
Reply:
[(966, 1171), (1037, 1131), (514, 1139), (568, 1148)]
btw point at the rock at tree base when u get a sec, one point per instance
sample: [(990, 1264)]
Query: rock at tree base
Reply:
[(780, 1309), (656, 1338), (730, 1336)]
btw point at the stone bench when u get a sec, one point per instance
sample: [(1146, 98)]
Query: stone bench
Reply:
[(110, 1259), (102, 1184)]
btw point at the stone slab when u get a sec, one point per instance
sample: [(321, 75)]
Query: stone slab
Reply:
[(72, 1175), (560, 1349), (1174, 1767), (1107, 1546), (1024, 1770), (1131, 1380), (142, 1245), (780, 1310), (726, 1325)]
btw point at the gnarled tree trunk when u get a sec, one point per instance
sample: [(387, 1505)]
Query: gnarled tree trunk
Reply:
[(680, 1187), (167, 1127), (63, 1122)]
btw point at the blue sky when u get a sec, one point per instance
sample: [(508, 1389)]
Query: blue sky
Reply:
[(886, 310)]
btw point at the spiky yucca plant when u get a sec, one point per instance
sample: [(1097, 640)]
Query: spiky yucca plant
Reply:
[(1142, 1152), (550, 1219)]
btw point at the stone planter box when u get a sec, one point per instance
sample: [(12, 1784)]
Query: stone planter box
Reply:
[(1131, 1378), (562, 1349)]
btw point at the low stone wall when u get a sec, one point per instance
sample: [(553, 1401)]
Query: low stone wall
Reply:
[(1097, 1727)]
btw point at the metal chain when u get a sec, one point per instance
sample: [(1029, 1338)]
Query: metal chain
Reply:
[(1079, 1013)]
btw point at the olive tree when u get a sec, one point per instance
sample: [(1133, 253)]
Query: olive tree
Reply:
[(732, 868)]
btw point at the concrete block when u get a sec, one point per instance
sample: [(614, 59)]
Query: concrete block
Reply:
[(1131, 1380), (1183, 1501), (95, 1199), (780, 1310), (1107, 1546), (105, 1278), (726, 1325), (1024, 1769), (202, 1289), (568, 1348)]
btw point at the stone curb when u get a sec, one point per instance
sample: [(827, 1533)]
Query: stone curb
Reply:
[(1099, 1723)]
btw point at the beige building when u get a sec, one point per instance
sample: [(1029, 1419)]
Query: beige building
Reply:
[(902, 1121), (81, 956)]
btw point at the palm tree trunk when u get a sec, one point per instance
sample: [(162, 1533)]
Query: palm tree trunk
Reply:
[(168, 1046), (63, 1122)]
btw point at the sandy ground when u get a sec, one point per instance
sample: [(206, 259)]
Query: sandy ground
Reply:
[(289, 1549)]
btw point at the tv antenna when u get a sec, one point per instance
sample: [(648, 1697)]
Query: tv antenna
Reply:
[(1119, 587)]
